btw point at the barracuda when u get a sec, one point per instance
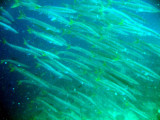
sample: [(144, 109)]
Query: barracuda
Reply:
[(6, 13), (6, 61), (37, 22), (43, 102), (59, 9), (50, 68), (5, 20), (47, 37), (31, 76), (21, 49), (42, 52), (7, 27)]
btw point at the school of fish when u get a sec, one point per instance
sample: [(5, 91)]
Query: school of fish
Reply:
[(92, 58)]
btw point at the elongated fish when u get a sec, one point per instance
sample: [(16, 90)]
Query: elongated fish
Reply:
[(63, 102), (37, 22), (42, 52), (54, 16), (21, 49), (14, 62), (86, 97), (6, 13), (5, 20), (77, 63), (49, 38), (140, 6), (112, 85), (30, 76), (50, 68), (85, 27), (60, 9), (31, 5), (45, 103), (7, 27)]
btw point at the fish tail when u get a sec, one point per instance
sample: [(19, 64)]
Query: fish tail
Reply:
[(38, 65), (19, 82), (16, 4), (37, 7), (109, 2), (2, 61), (29, 30), (25, 42), (21, 16), (71, 22), (75, 1), (68, 46), (11, 68), (116, 59), (121, 22), (64, 32), (4, 41)]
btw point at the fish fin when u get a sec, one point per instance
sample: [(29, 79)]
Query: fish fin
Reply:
[(84, 72), (101, 38), (19, 83), (44, 92), (2, 61), (38, 65), (78, 16), (22, 15), (104, 63), (68, 47), (93, 46), (16, 4), (99, 112), (75, 1), (25, 42), (56, 52), (44, 54), (109, 3), (101, 10), (116, 59), (137, 41), (98, 79), (121, 22), (35, 57), (11, 68), (37, 7), (29, 30), (4, 41), (71, 22), (65, 32)]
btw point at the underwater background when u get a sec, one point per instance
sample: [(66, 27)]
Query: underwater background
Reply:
[(103, 62)]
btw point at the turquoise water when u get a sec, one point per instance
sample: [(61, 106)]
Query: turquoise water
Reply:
[(80, 60)]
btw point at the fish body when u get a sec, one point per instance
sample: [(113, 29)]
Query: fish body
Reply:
[(14, 62), (5, 20), (50, 68), (31, 76), (47, 37), (6, 13), (42, 24), (21, 49), (7, 27), (42, 52), (60, 9)]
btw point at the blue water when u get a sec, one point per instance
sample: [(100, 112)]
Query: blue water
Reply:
[(14, 99)]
